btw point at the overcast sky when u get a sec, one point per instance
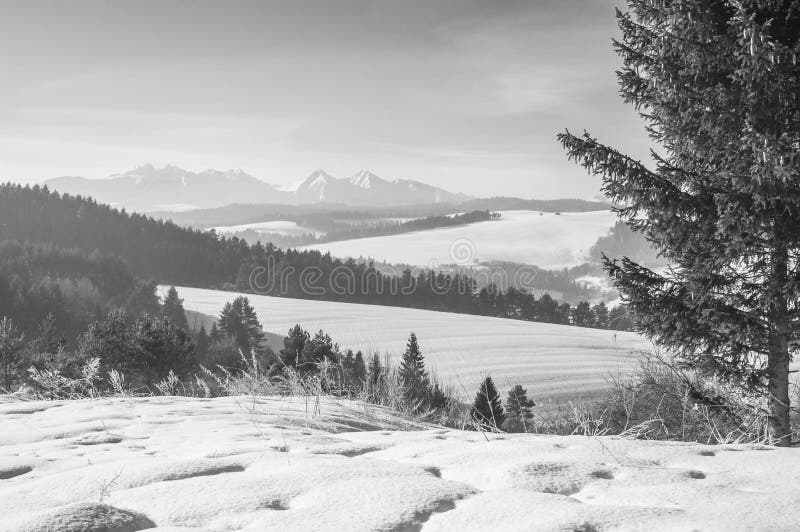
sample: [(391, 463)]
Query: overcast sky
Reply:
[(463, 94)]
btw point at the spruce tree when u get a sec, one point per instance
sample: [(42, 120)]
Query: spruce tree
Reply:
[(518, 410), (718, 85), (201, 342), (359, 369), (215, 334), (173, 309), (239, 321), (601, 317), (412, 374), (582, 315), (487, 409), (293, 345), (375, 375)]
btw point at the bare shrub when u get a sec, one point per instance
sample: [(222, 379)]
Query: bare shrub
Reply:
[(661, 400)]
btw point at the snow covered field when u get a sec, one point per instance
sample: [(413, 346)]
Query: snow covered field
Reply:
[(547, 240), (282, 227), (254, 464), (552, 361)]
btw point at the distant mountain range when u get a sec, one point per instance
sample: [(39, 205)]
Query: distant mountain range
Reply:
[(170, 188)]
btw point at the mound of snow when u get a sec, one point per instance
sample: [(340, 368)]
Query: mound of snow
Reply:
[(246, 463)]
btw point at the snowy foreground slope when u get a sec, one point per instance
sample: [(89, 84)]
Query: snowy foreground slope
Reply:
[(292, 464), (552, 361)]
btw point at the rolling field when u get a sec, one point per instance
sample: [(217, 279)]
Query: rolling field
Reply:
[(547, 240), (552, 361)]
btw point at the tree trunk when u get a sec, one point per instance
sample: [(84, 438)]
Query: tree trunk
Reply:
[(778, 358)]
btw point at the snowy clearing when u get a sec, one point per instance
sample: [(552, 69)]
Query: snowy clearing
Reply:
[(548, 240), (282, 227), (552, 361), (253, 464)]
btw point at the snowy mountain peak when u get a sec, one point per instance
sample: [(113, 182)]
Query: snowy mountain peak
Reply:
[(366, 179)]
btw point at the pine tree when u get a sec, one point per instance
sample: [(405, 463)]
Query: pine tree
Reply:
[(601, 318), (518, 410), (583, 316), (359, 368), (412, 374), (11, 343), (201, 342), (293, 345), (718, 84), (214, 334), (239, 321), (487, 409), (375, 375), (173, 309)]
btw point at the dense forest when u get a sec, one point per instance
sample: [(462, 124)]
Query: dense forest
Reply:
[(162, 252)]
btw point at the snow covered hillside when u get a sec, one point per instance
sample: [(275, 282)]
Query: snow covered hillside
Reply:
[(282, 227), (547, 240), (552, 361), (254, 464)]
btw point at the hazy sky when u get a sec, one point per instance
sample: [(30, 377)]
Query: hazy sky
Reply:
[(463, 94)]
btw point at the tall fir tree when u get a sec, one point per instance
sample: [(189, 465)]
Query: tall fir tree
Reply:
[(601, 317), (215, 334), (201, 342), (718, 84), (239, 321), (487, 409), (518, 410), (375, 375), (172, 308), (412, 374)]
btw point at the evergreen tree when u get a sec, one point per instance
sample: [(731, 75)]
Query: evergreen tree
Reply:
[(601, 317), (359, 368), (412, 374), (318, 349), (718, 84), (293, 345), (49, 339), (239, 321), (582, 315), (172, 308), (201, 342), (619, 319), (11, 343), (487, 409), (161, 346), (518, 410), (215, 334), (375, 374)]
